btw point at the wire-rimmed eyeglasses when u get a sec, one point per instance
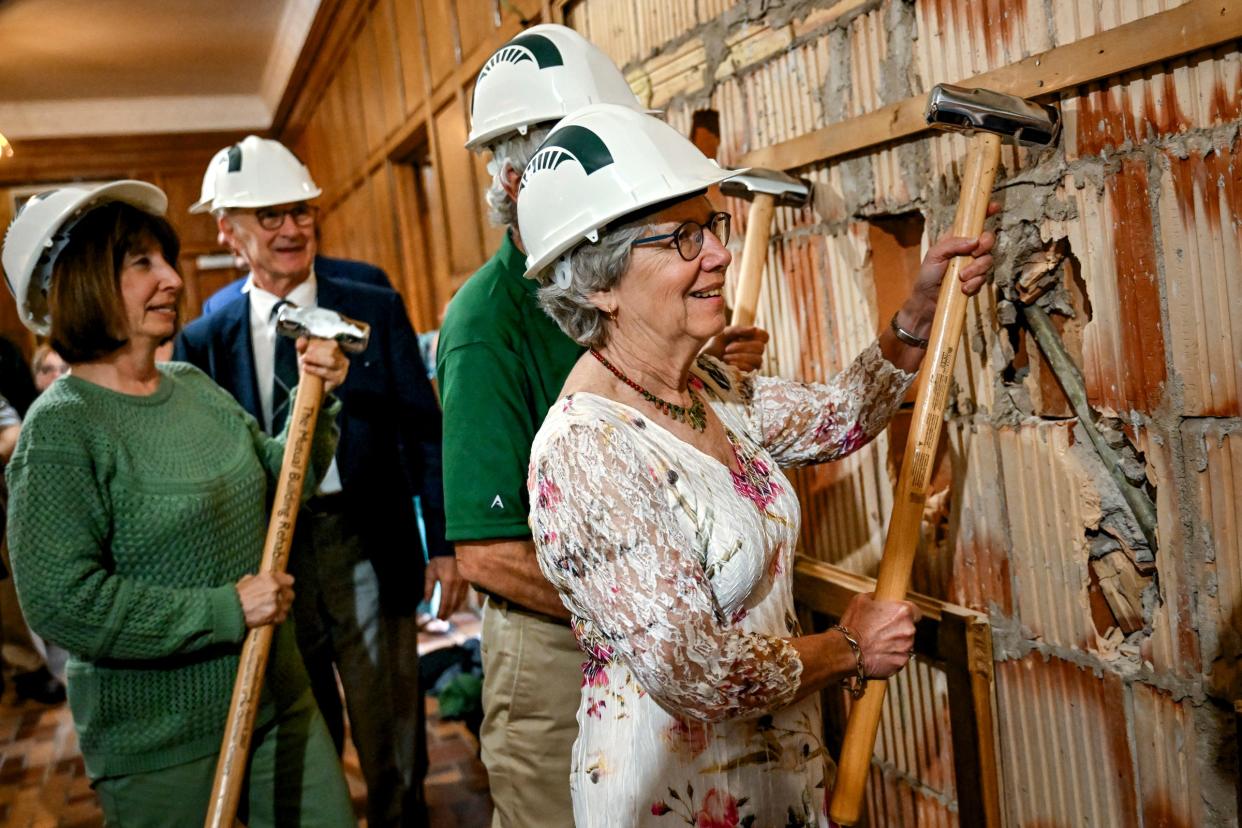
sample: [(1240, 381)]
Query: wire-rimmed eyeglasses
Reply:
[(271, 218), (688, 237)]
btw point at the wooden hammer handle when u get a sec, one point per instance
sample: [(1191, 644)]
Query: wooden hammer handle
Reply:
[(902, 540), (754, 256), (238, 729)]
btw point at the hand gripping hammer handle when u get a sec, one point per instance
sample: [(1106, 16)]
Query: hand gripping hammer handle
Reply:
[(239, 728), (916, 468), (352, 336), (988, 115)]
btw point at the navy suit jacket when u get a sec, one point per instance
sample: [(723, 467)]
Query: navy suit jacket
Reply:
[(389, 447), (346, 269)]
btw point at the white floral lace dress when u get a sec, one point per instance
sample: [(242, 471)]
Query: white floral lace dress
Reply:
[(677, 570)]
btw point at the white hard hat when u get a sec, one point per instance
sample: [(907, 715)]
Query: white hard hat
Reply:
[(259, 172), (208, 192), (542, 75), (41, 231), (599, 164)]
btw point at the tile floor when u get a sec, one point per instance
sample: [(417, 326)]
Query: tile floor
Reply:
[(43, 783)]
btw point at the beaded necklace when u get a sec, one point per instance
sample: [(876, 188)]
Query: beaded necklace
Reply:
[(695, 416)]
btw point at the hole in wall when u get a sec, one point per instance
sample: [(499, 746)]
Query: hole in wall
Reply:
[(1050, 278), (1045, 326), (705, 131), (705, 134)]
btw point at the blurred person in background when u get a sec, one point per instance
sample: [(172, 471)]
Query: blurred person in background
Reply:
[(47, 366)]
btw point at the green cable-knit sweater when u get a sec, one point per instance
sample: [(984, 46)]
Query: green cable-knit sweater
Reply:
[(131, 518)]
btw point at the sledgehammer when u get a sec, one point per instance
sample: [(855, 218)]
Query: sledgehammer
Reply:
[(352, 336), (765, 189), (989, 116)]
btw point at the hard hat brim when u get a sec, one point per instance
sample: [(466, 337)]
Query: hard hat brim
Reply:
[(146, 197), (672, 195), (480, 141)]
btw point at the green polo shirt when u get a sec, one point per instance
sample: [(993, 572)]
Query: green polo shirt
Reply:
[(501, 362)]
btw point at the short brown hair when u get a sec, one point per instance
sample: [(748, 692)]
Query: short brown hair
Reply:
[(88, 316)]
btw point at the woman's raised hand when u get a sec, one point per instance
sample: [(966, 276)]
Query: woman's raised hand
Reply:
[(927, 285), (266, 597), (885, 632), (323, 358)]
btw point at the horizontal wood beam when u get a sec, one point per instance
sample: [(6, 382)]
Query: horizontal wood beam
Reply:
[(829, 589), (1194, 27), (56, 160)]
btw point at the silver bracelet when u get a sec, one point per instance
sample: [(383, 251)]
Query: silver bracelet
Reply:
[(857, 685), (905, 336)]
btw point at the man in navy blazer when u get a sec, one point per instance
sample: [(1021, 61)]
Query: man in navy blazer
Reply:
[(358, 559), (350, 271)]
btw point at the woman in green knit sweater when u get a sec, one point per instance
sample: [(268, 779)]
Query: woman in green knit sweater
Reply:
[(137, 517)]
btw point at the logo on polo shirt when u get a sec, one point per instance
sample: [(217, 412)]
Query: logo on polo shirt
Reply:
[(497, 503)]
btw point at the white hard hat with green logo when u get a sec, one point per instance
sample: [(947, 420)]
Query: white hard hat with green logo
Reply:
[(598, 165), (540, 76)]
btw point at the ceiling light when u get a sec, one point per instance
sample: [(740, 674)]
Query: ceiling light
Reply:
[(6, 149)]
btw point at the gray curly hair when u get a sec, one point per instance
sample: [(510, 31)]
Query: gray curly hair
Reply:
[(514, 150), (590, 268)]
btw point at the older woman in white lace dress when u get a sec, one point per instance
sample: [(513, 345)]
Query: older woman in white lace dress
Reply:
[(659, 510)]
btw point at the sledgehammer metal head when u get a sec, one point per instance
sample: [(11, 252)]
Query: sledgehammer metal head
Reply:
[(321, 323), (786, 190), (968, 110)]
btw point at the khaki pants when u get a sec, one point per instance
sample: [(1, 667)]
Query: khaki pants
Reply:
[(532, 678)]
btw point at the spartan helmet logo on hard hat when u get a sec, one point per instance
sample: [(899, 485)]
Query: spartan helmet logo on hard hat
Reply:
[(529, 46), (622, 161), (572, 142), (542, 75)]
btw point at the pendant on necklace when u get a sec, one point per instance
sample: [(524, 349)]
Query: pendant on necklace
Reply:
[(693, 415)]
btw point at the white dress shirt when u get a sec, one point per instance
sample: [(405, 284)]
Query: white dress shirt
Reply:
[(263, 341)]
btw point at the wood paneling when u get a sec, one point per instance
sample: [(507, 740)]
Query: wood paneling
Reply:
[(416, 279), (370, 88), (476, 20), (412, 56), (351, 90), (460, 193), (400, 188), (388, 65), (83, 159), (441, 41)]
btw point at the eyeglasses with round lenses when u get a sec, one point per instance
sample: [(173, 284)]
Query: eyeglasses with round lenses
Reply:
[(688, 237), (271, 218)]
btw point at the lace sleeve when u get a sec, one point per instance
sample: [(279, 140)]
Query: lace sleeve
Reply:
[(609, 542), (803, 423)]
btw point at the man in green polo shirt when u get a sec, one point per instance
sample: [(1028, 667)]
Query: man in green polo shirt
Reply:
[(501, 363)]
